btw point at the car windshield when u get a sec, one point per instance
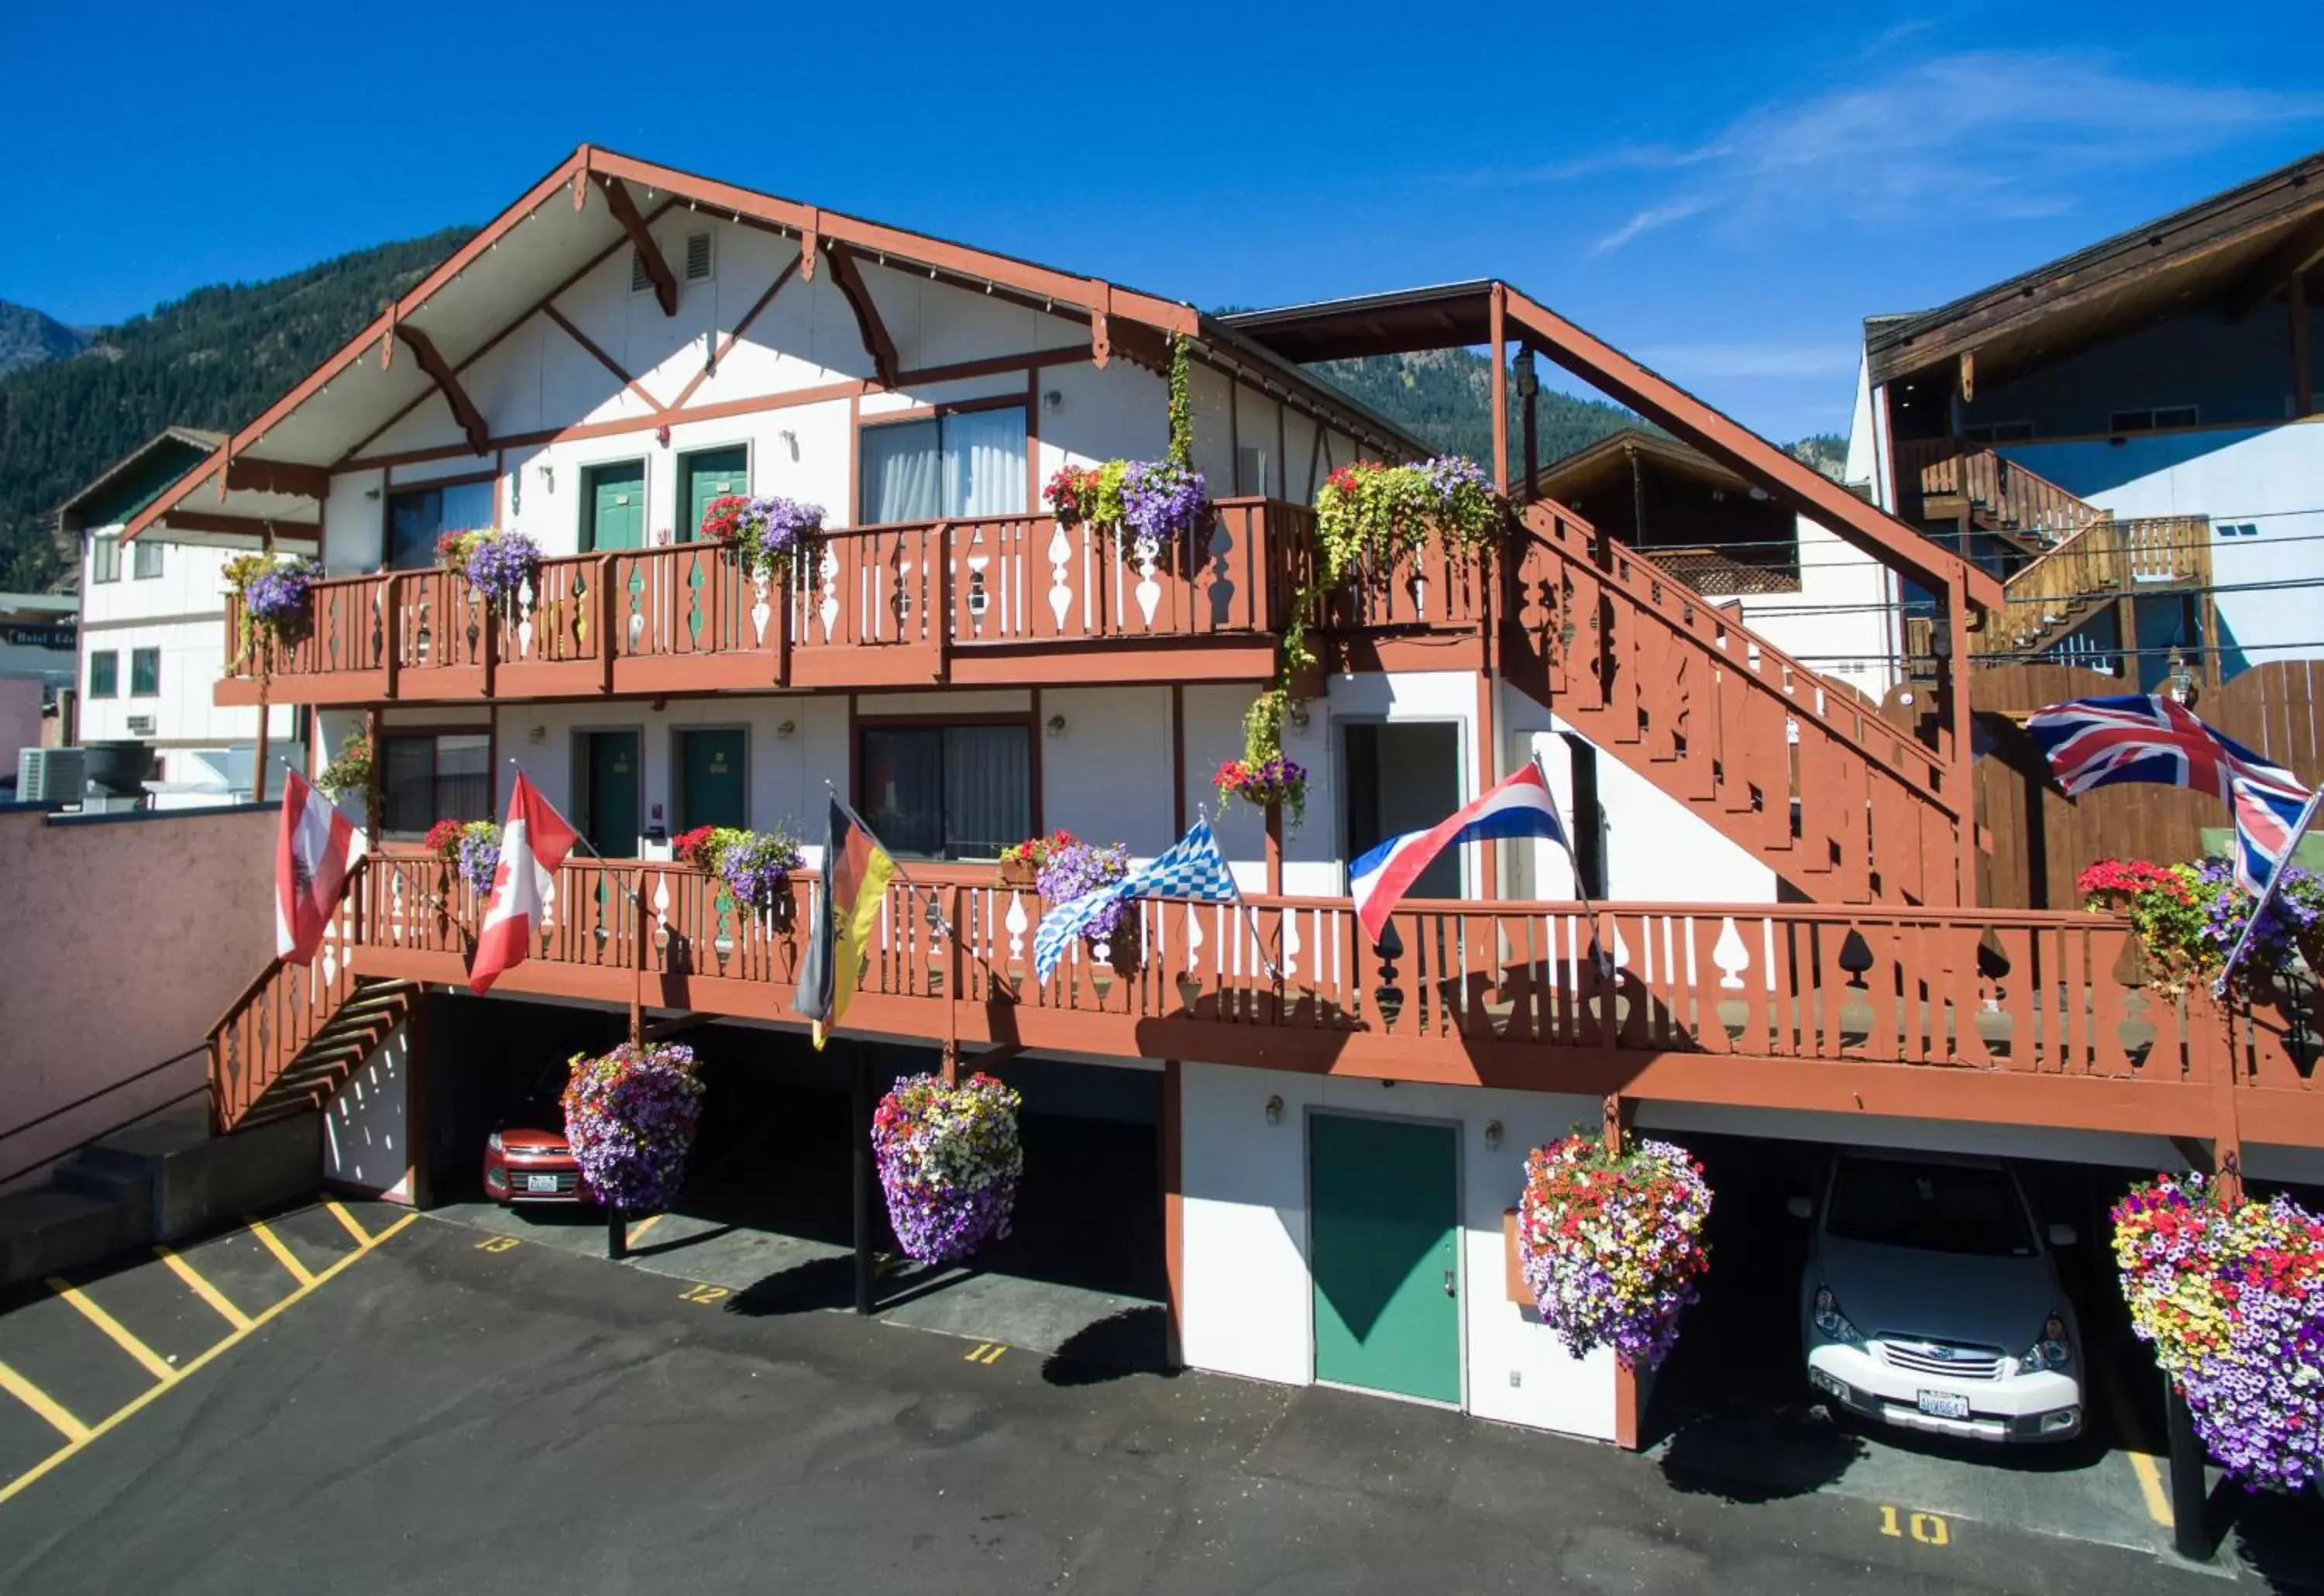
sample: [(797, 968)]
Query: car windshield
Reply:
[(1931, 1207)]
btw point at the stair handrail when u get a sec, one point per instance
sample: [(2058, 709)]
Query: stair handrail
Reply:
[(213, 1040), (200, 1050), (1614, 570)]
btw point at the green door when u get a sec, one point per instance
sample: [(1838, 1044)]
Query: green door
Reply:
[(1383, 1224), (609, 816), (710, 780), (614, 500), (711, 474)]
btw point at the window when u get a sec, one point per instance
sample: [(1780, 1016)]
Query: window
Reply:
[(948, 792), (416, 515), (104, 559), (2149, 420), (2239, 529), (1999, 432), (146, 559), (961, 463), (144, 673), (433, 776), (1251, 470), (103, 674), (1969, 1209)]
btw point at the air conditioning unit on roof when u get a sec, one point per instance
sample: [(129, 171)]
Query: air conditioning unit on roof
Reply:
[(50, 775)]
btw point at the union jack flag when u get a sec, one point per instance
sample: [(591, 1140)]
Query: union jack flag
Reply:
[(2094, 742), (2267, 828)]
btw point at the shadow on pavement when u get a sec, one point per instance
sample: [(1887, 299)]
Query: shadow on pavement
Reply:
[(1750, 1451), (1135, 1341), (811, 1287), (2280, 1538)]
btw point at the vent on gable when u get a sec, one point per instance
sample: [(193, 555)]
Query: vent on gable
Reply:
[(698, 257)]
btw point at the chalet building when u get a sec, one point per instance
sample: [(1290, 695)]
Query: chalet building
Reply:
[(152, 640), (1787, 900), (2122, 436)]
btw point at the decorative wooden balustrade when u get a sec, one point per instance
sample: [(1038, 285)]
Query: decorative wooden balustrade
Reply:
[(975, 600), (1940, 477), (1996, 1016), (1845, 806), (2106, 561)]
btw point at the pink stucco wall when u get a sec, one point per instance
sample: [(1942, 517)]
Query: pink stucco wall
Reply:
[(122, 940), (20, 717)]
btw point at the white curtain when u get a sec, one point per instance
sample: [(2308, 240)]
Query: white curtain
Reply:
[(984, 463), (901, 465)]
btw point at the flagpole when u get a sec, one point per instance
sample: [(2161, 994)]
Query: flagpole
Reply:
[(2267, 893), (1604, 957), (944, 923)]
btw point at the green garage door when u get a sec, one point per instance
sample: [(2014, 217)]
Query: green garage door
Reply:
[(1384, 1227)]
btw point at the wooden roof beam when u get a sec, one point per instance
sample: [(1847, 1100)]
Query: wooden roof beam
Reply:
[(439, 371), (249, 473), (626, 211), (2299, 251), (849, 275), (235, 526)]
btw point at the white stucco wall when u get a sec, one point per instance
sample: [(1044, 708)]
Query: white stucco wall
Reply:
[(1248, 1306), (363, 1123)]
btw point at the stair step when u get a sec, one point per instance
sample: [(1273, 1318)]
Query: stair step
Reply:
[(48, 1229)]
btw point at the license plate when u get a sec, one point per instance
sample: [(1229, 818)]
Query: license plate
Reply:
[(548, 1182), (1943, 1405)]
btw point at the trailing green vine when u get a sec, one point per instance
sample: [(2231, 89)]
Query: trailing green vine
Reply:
[(1181, 409)]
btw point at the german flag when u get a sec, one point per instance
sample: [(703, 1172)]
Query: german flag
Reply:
[(855, 873)]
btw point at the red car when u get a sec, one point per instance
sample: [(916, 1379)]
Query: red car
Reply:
[(530, 1165)]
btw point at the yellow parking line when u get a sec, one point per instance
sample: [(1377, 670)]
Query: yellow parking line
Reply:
[(362, 1236), (80, 1434), (203, 1289), (2150, 1482), (282, 1255), (155, 1365), (642, 1226), (46, 1406)]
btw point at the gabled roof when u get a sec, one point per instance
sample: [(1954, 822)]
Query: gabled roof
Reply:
[(589, 206), (2240, 245), (1484, 311), (133, 481), (1588, 460)]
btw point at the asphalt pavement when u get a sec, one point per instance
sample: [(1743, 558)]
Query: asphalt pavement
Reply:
[(438, 1409)]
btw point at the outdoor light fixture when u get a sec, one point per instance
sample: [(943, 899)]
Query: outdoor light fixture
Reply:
[(1492, 1133), (1056, 726), (2179, 684), (791, 438), (537, 736), (370, 493), (1275, 1110), (548, 476), (1051, 399), (785, 730)]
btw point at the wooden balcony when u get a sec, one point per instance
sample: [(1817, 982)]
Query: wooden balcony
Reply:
[(1001, 600), (1944, 478), (2003, 1017)]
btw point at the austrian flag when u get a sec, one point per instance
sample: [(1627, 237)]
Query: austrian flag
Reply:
[(311, 855), (534, 841)]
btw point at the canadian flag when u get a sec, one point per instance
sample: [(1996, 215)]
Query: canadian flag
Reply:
[(311, 855), (534, 841)]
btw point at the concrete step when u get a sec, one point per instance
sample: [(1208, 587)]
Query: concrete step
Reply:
[(49, 1230)]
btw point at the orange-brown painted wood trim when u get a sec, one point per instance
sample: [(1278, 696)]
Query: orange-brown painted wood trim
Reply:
[(726, 345), (625, 212), (605, 360), (448, 384), (877, 342)]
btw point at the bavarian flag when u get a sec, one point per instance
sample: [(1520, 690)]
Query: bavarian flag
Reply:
[(855, 872)]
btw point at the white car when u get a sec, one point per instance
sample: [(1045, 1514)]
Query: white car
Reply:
[(1929, 1300)]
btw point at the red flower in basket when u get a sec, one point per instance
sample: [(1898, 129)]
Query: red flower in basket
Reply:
[(722, 519), (689, 845)]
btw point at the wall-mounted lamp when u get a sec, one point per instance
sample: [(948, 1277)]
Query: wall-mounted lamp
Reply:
[(1056, 726), (548, 470), (2179, 684), (785, 730), (1492, 1133), (1296, 715), (1051, 399), (1275, 1110), (790, 438), (537, 736)]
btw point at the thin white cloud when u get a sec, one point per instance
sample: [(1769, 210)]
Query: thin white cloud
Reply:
[(1993, 132), (1651, 217)]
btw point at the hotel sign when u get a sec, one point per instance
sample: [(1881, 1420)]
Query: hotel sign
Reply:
[(39, 637)]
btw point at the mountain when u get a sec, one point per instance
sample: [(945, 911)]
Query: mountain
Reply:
[(1444, 398), (30, 337), (213, 359), (1826, 451)]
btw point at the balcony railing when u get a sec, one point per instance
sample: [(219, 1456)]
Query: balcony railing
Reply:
[(1949, 468), (870, 605), (1461, 991)]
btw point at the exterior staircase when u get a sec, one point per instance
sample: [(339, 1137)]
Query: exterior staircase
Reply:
[(1946, 479), (298, 1030), (2058, 593), (1844, 805)]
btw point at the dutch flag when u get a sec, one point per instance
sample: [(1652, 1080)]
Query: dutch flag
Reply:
[(1519, 806)]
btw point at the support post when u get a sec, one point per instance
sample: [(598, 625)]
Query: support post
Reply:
[(1497, 335), (1274, 850), (2190, 1488), (1614, 1119), (2303, 369), (1529, 394), (1170, 1146), (617, 1233), (1963, 769), (265, 669), (860, 1070)]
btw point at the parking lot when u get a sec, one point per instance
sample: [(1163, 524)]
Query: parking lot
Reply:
[(455, 1408)]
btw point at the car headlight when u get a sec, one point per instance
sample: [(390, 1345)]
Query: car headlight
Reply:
[(493, 1142), (2054, 1350), (1830, 1322)]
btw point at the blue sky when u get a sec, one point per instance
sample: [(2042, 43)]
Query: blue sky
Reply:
[(1723, 189)]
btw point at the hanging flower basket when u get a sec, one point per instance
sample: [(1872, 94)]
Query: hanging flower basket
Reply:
[(1274, 779), (500, 565), (949, 1162), (2188, 918), (767, 532), (755, 865), (273, 593), (2231, 1296), (630, 1115), (1151, 505), (1611, 1243), (1021, 862), (473, 849)]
